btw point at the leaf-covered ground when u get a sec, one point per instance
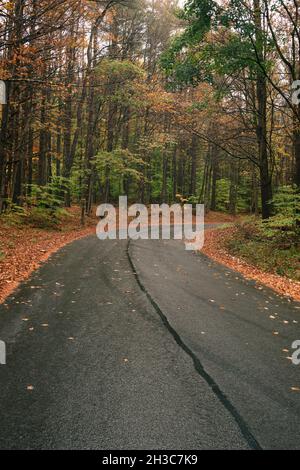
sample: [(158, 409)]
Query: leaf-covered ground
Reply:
[(23, 248), (217, 245)]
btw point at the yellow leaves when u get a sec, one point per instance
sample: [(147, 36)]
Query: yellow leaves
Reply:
[(9, 6)]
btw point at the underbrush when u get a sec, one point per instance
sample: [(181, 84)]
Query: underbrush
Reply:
[(273, 246), (36, 217), (43, 207), (45, 218)]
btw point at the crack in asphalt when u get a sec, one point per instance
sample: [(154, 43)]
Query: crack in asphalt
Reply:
[(246, 432)]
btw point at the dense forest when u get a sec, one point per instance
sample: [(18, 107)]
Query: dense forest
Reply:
[(175, 324), (157, 99)]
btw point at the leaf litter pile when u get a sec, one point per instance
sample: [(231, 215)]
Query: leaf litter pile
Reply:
[(23, 248)]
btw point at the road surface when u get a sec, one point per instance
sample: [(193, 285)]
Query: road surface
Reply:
[(146, 346)]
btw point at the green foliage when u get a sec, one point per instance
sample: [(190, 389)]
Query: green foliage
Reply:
[(181, 68), (202, 17), (119, 165), (46, 203), (121, 78), (266, 254), (285, 225), (243, 195), (119, 71), (287, 201), (183, 62), (193, 200), (223, 188), (43, 218), (50, 196), (272, 250), (192, 57), (273, 245)]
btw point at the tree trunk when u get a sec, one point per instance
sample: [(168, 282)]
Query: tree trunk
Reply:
[(234, 176), (261, 131), (42, 169), (193, 153), (297, 156)]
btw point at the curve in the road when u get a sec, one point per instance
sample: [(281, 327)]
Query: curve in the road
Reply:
[(253, 443)]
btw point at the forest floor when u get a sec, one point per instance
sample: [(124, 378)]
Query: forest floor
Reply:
[(259, 261), (23, 248)]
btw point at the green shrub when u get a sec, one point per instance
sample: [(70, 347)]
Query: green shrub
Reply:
[(287, 201), (50, 197), (284, 226), (272, 245), (45, 204)]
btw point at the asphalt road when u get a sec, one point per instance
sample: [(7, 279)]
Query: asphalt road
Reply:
[(146, 346)]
